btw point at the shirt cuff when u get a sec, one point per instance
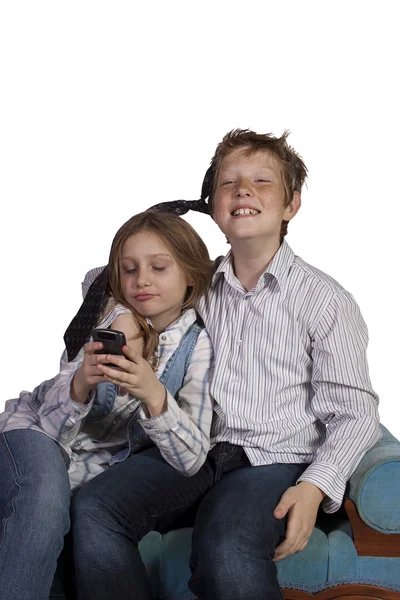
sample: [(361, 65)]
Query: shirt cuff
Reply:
[(78, 409), (166, 421), (328, 479)]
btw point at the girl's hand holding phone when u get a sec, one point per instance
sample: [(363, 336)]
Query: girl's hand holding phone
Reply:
[(136, 377), (88, 375)]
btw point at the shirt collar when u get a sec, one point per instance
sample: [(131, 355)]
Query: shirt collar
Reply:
[(174, 332), (278, 267)]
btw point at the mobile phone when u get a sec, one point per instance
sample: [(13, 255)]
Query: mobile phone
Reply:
[(112, 340)]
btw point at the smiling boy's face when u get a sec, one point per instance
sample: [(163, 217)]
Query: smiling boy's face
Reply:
[(249, 197)]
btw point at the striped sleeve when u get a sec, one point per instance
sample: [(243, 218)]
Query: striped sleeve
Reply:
[(89, 278), (343, 398), (182, 432), (112, 310), (56, 413)]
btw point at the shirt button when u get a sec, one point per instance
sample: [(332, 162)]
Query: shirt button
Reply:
[(239, 342), (163, 337), (77, 444)]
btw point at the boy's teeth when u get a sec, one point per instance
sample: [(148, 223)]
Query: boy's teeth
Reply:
[(245, 211)]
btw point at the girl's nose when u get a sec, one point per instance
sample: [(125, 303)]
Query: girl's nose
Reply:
[(143, 279)]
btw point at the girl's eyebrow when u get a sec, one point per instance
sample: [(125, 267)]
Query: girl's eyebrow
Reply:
[(148, 256)]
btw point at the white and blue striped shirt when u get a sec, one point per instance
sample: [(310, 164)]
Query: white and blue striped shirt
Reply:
[(291, 381)]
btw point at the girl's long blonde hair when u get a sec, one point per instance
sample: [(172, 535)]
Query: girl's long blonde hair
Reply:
[(186, 247)]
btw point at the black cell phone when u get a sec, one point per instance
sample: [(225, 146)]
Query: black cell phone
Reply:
[(112, 341)]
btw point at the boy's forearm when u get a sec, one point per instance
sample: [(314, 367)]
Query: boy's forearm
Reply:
[(343, 399), (336, 460)]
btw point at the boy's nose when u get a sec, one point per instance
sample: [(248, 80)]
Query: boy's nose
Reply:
[(243, 189)]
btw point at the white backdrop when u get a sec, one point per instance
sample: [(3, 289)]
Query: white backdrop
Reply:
[(109, 107)]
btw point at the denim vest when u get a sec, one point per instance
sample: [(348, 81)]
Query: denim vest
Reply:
[(172, 378)]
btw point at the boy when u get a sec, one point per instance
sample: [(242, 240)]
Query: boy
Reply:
[(295, 411)]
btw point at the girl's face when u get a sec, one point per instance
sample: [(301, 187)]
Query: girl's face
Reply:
[(152, 281)]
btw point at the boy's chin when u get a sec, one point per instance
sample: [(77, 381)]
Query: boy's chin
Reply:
[(252, 237)]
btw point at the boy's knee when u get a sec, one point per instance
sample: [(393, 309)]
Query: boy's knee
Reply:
[(222, 545), (231, 565)]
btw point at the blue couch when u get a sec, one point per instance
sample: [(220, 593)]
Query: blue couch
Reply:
[(348, 556)]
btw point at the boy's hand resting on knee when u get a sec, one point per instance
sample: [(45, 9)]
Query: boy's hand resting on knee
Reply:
[(138, 378), (300, 503)]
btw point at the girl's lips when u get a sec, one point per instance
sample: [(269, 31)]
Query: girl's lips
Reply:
[(143, 297)]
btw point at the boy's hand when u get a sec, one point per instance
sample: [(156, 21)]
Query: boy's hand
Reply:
[(88, 375), (301, 502), (138, 378)]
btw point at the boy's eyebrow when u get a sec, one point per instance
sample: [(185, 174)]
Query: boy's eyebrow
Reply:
[(257, 168), (228, 171)]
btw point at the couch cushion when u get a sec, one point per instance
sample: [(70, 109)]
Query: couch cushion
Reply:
[(171, 553), (307, 568), (166, 558)]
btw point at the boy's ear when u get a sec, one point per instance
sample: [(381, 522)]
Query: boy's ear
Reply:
[(292, 209)]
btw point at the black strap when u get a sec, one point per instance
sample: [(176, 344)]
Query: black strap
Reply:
[(81, 326), (181, 207), (79, 330)]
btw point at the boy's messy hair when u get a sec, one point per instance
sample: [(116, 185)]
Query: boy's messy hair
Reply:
[(293, 169), (186, 247)]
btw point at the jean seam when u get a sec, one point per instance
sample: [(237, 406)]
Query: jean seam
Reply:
[(6, 522), (221, 459), (180, 507), (227, 455)]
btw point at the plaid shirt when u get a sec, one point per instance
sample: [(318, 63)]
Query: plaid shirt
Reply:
[(182, 434)]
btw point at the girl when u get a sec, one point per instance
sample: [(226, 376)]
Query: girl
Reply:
[(80, 423)]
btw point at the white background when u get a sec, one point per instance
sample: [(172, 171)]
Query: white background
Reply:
[(110, 107)]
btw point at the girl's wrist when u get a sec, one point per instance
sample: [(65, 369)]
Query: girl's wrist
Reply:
[(79, 391), (158, 403)]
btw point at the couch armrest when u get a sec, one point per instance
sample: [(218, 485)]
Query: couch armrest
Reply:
[(375, 485), (368, 541)]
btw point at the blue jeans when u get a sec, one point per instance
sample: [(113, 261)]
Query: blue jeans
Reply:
[(34, 513), (235, 533)]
